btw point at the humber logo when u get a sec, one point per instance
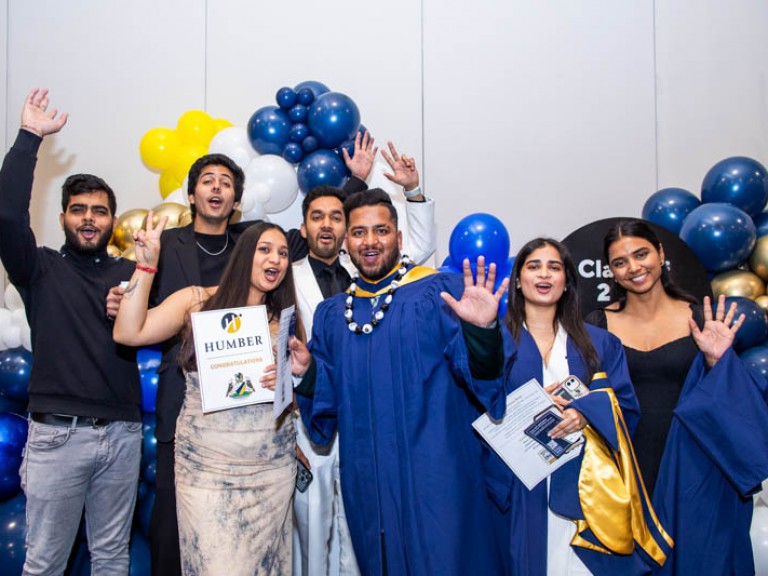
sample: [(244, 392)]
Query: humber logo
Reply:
[(231, 322)]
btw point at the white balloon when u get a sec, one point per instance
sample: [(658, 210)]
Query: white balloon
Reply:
[(233, 142), (261, 192), (759, 534), (6, 318), (179, 196), (19, 317), (11, 336), (26, 337), (248, 201), (12, 298), (280, 178), (258, 213)]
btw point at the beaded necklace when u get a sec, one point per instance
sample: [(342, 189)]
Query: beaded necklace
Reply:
[(378, 316)]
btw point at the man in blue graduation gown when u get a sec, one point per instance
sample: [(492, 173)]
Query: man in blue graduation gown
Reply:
[(391, 369)]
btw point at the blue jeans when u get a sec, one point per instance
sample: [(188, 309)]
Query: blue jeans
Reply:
[(65, 469)]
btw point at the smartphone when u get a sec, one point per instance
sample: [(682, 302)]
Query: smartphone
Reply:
[(303, 477), (571, 388)]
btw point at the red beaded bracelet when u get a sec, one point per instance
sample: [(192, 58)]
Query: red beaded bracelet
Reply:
[(146, 269)]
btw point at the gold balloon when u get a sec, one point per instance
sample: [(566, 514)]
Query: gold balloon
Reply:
[(174, 212), (128, 224), (130, 253), (762, 301), (113, 250), (758, 261), (186, 218), (738, 283)]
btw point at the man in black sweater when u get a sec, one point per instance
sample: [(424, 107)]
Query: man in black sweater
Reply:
[(84, 443)]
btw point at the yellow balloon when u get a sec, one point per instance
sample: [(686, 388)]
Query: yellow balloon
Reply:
[(758, 261), (169, 183), (738, 283), (762, 301), (184, 160), (128, 224), (173, 210), (195, 128), (220, 124), (129, 253), (158, 148)]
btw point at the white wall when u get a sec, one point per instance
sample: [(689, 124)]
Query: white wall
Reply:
[(549, 114)]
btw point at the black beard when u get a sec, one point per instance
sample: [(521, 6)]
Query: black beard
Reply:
[(72, 240), (378, 273)]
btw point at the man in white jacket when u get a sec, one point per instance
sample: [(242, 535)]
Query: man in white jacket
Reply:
[(322, 544)]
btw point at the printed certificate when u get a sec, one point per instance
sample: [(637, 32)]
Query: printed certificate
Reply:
[(233, 346), (521, 437)]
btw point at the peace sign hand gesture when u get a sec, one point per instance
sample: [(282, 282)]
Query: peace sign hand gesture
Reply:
[(148, 241)]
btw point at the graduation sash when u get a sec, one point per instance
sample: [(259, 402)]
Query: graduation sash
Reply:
[(617, 511)]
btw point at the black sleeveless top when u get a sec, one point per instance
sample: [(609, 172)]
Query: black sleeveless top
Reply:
[(658, 376)]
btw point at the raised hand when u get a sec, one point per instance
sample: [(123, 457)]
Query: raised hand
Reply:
[(719, 332), (35, 116), (479, 304), (363, 156), (148, 241), (403, 167)]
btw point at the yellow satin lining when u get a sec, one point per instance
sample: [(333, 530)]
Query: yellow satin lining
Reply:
[(611, 492), (414, 274)]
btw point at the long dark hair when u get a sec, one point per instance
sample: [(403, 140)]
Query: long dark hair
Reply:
[(235, 285), (640, 229), (568, 311)]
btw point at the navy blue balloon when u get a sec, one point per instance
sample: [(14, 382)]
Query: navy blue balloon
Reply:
[(15, 367), (721, 235), (148, 360), (333, 118), (740, 181), (476, 235), (669, 206), (268, 130), (140, 559), (144, 510), (293, 152), (321, 168), (13, 437), (13, 527), (298, 132), (761, 224), (756, 359), (298, 113), (149, 471), (310, 144), (315, 88), (286, 97), (305, 96), (12, 407), (755, 327)]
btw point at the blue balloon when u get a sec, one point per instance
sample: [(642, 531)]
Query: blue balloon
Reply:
[(476, 235), (148, 360), (149, 357), (310, 144), (144, 510), (293, 152), (298, 113), (286, 97), (149, 442), (720, 235), (322, 167), (761, 224), (739, 181), (756, 359), (333, 118), (315, 88), (13, 436), (268, 130), (15, 367), (298, 132), (669, 206), (755, 327), (305, 96), (149, 471), (13, 527), (12, 407), (140, 559)]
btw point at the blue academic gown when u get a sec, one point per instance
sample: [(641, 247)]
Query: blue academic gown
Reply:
[(403, 400), (526, 511), (715, 458)]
